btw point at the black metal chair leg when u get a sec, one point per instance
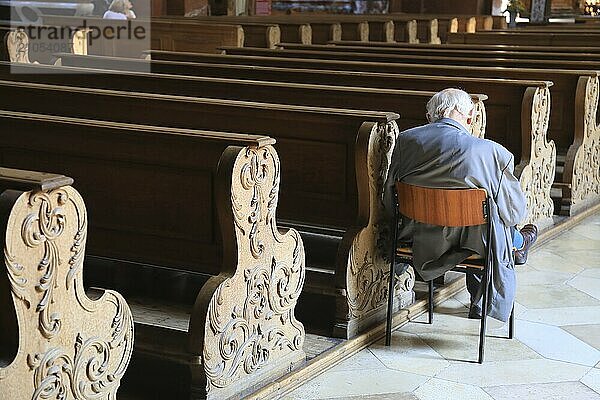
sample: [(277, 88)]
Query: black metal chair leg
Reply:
[(430, 301), (484, 307), (511, 324)]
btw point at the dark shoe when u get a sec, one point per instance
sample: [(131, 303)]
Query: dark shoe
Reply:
[(474, 312), (530, 234)]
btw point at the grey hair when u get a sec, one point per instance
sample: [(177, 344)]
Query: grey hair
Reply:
[(444, 102), (118, 6)]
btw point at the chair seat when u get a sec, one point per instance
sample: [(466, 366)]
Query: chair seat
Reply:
[(473, 261)]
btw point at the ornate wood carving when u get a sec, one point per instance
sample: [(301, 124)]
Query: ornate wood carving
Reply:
[(249, 333), (305, 33), (80, 42), (366, 272), (536, 171), (388, 31), (479, 119), (335, 31), (17, 43), (70, 347), (582, 164)]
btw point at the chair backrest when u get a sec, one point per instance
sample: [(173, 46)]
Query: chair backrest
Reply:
[(443, 207)]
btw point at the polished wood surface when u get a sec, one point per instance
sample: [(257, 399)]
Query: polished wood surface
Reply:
[(442, 207), (528, 38)]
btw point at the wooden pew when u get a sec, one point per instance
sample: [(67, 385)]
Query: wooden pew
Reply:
[(410, 102), (571, 126), (427, 30), (333, 53), (468, 52), (510, 109), (466, 25), (527, 38), (360, 27), (290, 30), (485, 22), (332, 204), (510, 101), (499, 22), (256, 34), (162, 193), (165, 35), (383, 28), (486, 47), (53, 337)]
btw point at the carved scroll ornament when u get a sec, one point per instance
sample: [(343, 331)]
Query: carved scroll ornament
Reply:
[(585, 169), (536, 170), (80, 42), (250, 331), (367, 274), (70, 347), (479, 119), (17, 43)]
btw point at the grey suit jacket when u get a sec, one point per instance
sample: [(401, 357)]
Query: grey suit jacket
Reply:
[(443, 154)]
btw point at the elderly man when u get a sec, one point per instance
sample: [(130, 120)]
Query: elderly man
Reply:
[(443, 154)]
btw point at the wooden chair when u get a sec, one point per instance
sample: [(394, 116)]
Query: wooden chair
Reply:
[(444, 207)]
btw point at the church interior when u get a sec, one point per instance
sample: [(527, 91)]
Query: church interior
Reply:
[(172, 230)]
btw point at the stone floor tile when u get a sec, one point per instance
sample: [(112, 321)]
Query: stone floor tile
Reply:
[(359, 361), (543, 391), (519, 309), (409, 353), (513, 372), (457, 339), (590, 231), (586, 258), (529, 276), (439, 389), (587, 285), (545, 260), (451, 306), (592, 379), (569, 241), (383, 396), (464, 297), (554, 343), (341, 384), (563, 316), (553, 296), (591, 272), (589, 334)]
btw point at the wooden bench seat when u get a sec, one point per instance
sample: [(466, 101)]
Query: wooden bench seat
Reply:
[(339, 195), (472, 51), (332, 53), (185, 219), (527, 38), (475, 46), (53, 336)]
